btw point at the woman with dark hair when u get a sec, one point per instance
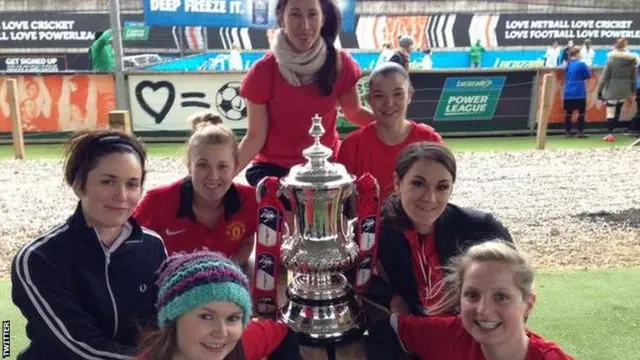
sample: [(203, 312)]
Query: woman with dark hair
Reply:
[(421, 231), (88, 284), (302, 75)]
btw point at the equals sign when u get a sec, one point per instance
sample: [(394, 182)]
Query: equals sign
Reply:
[(191, 95)]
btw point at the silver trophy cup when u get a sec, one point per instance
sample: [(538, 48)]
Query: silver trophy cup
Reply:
[(321, 304)]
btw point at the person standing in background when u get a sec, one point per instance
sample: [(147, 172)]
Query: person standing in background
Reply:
[(564, 55), (587, 54), (235, 59), (475, 53), (385, 54), (617, 83), (102, 55), (401, 56), (575, 93), (552, 55), (427, 62)]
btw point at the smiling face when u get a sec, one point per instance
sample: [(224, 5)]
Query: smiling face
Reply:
[(302, 21), (211, 168), (424, 192), (209, 332), (492, 306), (389, 96)]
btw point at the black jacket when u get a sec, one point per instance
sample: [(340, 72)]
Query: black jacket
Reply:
[(400, 58), (82, 301), (455, 230)]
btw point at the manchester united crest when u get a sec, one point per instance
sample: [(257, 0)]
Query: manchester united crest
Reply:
[(236, 230)]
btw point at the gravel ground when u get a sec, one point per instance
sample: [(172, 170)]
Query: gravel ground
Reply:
[(567, 208)]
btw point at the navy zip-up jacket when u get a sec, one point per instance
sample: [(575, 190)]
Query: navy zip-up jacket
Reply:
[(81, 299)]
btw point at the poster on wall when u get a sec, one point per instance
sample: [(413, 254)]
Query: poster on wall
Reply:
[(54, 103), (165, 102), (220, 13)]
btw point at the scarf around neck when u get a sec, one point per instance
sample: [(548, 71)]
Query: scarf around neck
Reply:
[(298, 69)]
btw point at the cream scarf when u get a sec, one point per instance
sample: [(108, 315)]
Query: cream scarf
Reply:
[(298, 69)]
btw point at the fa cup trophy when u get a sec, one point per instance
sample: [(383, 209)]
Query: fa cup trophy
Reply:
[(324, 243)]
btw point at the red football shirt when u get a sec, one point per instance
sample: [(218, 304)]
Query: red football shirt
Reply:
[(291, 109), (445, 338), (261, 338), (363, 151), (168, 211)]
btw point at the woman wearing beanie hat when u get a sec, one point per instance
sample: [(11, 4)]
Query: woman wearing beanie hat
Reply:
[(204, 312)]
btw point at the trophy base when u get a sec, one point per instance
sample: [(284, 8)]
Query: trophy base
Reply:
[(324, 315)]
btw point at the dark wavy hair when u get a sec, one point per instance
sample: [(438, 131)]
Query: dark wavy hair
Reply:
[(328, 73)]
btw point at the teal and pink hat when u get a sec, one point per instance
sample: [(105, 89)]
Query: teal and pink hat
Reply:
[(188, 280)]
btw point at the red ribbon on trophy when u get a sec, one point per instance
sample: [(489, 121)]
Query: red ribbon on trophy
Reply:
[(269, 239), (366, 232)]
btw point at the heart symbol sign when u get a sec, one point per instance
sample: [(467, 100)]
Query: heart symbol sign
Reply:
[(155, 86)]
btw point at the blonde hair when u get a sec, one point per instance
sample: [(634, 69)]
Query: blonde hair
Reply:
[(495, 250), (207, 129)]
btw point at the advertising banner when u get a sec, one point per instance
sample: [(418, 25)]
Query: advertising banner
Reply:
[(470, 102), (220, 13), (164, 102), (469, 98), (54, 103), (543, 29), (596, 110), (33, 63)]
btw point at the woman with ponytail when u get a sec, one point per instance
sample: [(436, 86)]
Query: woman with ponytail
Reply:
[(205, 208), (302, 75)]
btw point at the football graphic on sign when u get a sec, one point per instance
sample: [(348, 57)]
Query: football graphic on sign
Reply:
[(229, 102)]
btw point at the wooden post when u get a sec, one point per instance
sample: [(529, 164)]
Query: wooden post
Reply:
[(119, 119), (16, 122), (543, 111)]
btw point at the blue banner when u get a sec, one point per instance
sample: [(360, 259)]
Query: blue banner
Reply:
[(258, 14)]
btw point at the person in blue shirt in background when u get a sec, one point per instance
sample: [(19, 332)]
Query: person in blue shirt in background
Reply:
[(575, 94), (634, 129)]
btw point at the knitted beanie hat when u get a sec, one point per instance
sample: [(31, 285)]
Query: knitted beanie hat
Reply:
[(186, 281)]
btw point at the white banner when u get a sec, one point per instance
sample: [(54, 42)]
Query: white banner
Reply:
[(165, 101)]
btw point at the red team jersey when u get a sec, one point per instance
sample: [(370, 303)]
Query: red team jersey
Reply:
[(444, 338), (362, 151), (168, 211), (290, 109)]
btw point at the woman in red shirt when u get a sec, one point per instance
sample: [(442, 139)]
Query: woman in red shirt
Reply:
[(420, 230), (492, 286), (206, 208), (374, 148), (302, 75), (204, 312)]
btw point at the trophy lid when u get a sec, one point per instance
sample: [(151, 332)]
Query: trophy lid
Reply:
[(318, 170)]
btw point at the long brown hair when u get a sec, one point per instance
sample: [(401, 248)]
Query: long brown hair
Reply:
[(328, 73), (162, 344), (392, 212)]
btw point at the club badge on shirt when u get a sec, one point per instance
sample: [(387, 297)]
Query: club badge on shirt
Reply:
[(236, 230)]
